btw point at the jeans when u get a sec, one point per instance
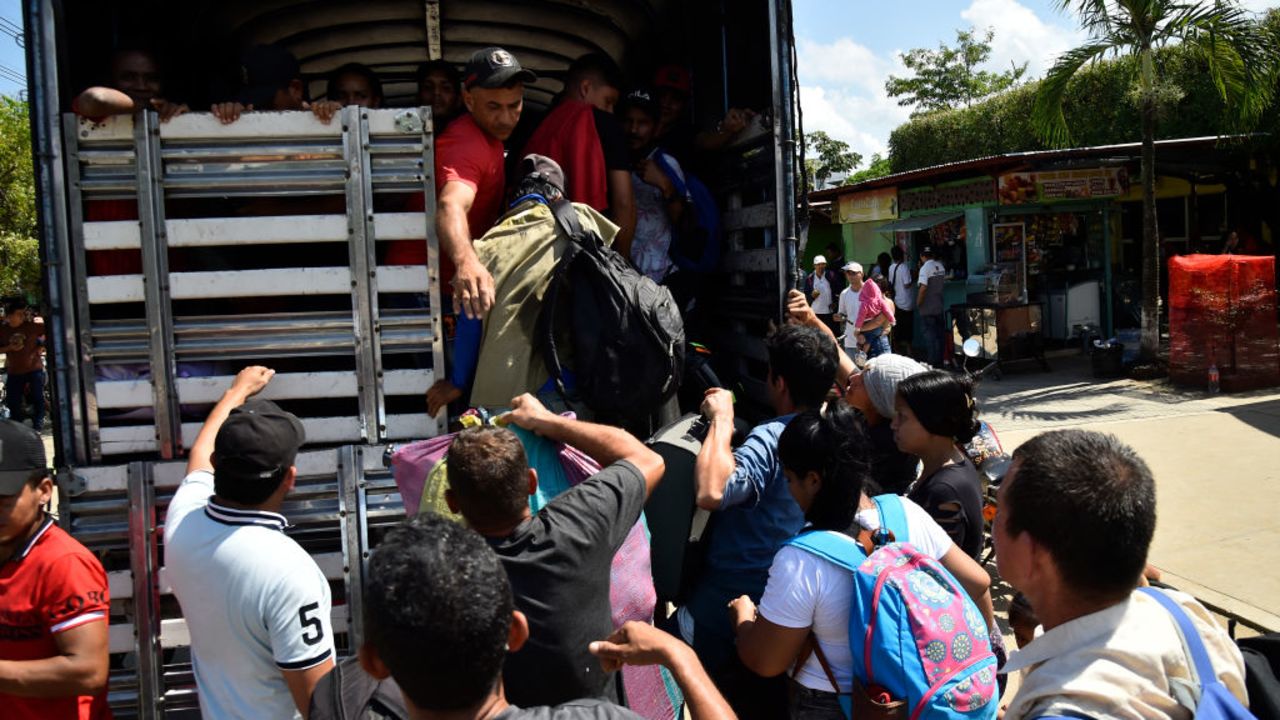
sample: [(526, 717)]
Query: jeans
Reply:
[(809, 704), (877, 343), (15, 387), (935, 338)]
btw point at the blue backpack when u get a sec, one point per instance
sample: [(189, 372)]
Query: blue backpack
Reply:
[(696, 249), (1216, 701), (920, 638)]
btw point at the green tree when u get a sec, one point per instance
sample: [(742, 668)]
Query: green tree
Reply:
[(1241, 62), (877, 168), (828, 157), (19, 249), (949, 77)]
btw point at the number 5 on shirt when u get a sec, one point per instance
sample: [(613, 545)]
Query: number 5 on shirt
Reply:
[(312, 628)]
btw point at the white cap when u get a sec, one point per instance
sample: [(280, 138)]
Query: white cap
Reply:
[(852, 267), (819, 260)]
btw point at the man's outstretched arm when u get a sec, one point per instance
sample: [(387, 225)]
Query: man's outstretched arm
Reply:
[(637, 643), (602, 443), (715, 461), (248, 383)]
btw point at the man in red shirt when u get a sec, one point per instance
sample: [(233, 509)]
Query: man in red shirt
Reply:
[(470, 179), (53, 598)]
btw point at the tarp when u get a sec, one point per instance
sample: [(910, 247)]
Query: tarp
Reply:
[(1222, 309)]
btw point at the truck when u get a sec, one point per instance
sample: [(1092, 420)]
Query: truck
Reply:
[(262, 242)]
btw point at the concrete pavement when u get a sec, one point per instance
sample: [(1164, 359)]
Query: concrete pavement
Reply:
[(1216, 460)]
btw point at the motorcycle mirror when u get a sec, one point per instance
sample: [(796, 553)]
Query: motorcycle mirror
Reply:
[(972, 348)]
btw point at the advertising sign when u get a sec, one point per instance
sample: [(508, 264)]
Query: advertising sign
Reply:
[(869, 206), (1060, 185)]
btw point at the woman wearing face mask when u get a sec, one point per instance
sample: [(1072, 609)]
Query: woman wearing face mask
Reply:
[(935, 414), (823, 454)]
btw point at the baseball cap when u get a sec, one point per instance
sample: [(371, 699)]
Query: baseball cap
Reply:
[(264, 69), (641, 99), (258, 440), (927, 250), (494, 67), (543, 169), (819, 260), (673, 77), (21, 455), (852, 267)]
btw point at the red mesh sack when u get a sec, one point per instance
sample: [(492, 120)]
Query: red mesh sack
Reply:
[(1222, 308)]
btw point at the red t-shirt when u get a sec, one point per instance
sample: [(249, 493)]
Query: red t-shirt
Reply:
[(53, 584), (467, 154)]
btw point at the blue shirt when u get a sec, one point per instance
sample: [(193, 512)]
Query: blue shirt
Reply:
[(757, 514)]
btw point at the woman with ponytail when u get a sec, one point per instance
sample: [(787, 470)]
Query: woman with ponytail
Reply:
[(935, 414), (824, 457)]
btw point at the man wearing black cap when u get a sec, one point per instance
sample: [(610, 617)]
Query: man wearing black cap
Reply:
[(270, 80), (660, 202), (256, 604), (470, 178), (53, 597)]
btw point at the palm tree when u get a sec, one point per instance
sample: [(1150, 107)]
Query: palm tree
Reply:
[(1241, 62)]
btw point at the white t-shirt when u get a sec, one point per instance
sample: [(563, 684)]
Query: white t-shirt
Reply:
[(822, 303), (254, 601), (930, 268), (848, 307), (805, 590), (651, 243), (904, 296)]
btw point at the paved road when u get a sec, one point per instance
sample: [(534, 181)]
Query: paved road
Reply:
[(1216, 460)]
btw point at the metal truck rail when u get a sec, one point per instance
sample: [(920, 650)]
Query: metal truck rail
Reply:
[(140, 332)]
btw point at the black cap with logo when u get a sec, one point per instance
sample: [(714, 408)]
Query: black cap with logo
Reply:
[(21, 456), (494, 67), (257, 441)]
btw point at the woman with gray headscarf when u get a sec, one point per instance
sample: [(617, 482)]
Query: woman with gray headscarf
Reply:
[(872, 392)]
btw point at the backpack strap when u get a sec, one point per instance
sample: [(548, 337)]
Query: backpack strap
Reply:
[(832, 546), (681, 188), (1190, 636), (893, 519), (567, 221)]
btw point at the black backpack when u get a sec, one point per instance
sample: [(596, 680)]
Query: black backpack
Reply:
[(347, 692), (625, 330)]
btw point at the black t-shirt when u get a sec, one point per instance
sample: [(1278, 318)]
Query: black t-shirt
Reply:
[(953, 497), (892, 470), (558, 563), (577, 710), (612, 141)]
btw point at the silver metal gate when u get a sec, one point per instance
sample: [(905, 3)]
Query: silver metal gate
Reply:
[(260, 242), (259, 198)]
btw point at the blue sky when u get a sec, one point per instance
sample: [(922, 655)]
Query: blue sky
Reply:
[(12, 56), (848, 48)]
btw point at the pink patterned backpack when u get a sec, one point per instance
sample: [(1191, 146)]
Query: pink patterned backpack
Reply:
[(921, 648)]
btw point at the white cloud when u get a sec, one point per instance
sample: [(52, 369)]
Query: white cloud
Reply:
[(1259, 5), (1021, 35), (842, 94)]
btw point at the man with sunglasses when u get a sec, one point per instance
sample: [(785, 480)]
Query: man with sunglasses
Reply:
[(53, 597), (256, 604)]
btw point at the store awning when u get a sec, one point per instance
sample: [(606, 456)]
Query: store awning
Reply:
[(919, 222)]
